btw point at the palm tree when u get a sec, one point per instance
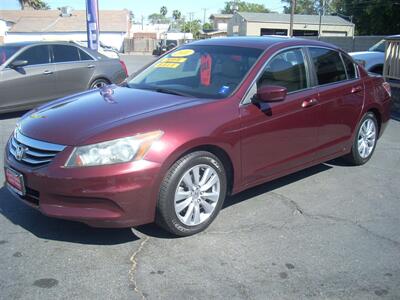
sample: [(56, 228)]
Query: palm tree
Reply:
[(163, 11), (33, 4), (176, 14)]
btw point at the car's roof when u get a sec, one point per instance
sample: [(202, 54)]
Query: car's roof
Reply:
[(260, 42), (24, 44), (31, 43)]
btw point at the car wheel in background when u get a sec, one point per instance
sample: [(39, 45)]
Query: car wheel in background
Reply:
[(99, 83), (377, 69), (191, 194), (364, 141)]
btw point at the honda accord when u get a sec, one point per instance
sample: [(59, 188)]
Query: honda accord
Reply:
[(206, 120)]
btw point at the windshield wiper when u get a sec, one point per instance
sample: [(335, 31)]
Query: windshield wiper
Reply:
[(158, 89), (168, 91)]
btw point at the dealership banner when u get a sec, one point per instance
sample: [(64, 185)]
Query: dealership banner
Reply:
[(92, 23)]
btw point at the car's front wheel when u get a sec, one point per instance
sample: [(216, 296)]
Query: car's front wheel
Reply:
[(364, 141), (191, 194)]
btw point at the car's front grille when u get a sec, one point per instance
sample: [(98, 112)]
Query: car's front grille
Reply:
[(32, 152)]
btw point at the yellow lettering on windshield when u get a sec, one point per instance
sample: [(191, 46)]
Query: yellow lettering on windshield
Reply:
[(174, 59), (167, 65), (183, 53)]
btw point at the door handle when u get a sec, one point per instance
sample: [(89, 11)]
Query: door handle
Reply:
[(47, 72), (309, 103), (90, 66), (356, 89)]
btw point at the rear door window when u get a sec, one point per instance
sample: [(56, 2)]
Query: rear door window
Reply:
[(350, 67), (36, 55), (83, 55), (65, 53), (328, 65), (286, 69)]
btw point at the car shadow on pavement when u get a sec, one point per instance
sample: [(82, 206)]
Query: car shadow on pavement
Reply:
[(56, 229), (155, 231), (12, 115), (61, 230), (274, 184)]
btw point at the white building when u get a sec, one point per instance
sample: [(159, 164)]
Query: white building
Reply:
[(38, 25), (257, 24)]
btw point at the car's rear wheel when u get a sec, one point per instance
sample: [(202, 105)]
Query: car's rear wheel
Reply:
[(99, 83), (364, 141), (191, 194)]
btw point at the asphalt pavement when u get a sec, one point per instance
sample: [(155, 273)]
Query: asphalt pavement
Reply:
[(328, 232)]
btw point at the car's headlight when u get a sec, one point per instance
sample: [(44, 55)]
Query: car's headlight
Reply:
[(113, 152)]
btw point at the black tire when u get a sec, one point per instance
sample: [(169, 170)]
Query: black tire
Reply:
[(166, 216), (354, 157), (99, 83)]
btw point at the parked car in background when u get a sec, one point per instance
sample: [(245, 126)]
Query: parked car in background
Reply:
[(36, 72), (108, 51), (209, 119), (373, 59), (164, 46)]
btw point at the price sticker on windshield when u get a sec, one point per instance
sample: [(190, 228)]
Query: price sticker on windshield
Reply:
[(183, 53), (167, 65), (174, 59)]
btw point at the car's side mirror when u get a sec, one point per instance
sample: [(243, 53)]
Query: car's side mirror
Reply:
[(271, 93), (18, 64)]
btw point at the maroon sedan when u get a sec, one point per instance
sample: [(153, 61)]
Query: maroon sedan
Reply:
[(209, 119)]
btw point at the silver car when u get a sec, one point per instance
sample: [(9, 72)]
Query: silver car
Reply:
[(373, 59), (36, 72)]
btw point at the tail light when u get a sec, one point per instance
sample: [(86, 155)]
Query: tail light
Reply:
[(387, 88), (124, 67)]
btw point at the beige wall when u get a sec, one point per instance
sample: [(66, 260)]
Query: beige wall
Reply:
[(254, 29), (220, 23)]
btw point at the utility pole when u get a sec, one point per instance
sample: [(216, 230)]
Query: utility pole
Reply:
[(321, 13), (292, 17), (190, 21), (204, 15)]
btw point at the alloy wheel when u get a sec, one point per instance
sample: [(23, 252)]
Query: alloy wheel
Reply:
[(366, 138), (197, 195)]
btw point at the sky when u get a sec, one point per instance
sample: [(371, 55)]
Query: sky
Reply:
[(145, 8)]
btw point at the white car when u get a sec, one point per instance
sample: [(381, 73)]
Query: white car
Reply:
[(103, 49), (373, 59)]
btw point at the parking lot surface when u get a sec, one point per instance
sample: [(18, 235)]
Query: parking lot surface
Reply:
[(331, 231)]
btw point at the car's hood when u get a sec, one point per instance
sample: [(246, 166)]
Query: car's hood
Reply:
[(71, 120)]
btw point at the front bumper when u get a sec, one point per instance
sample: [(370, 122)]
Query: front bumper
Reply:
[(122, 195)]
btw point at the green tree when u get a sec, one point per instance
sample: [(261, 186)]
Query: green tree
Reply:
[(193, 27), (157, 19), (33, 4), (372, 17), (163, 11), (304, 7), (208, 26), (176, 14), (244, 6)]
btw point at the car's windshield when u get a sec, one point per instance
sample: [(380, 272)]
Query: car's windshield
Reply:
[(379, 47), (6, 52), (199, 71)]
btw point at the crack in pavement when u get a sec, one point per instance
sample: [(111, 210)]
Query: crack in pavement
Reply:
[(132, 272), (245, 228), (297, 209)]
